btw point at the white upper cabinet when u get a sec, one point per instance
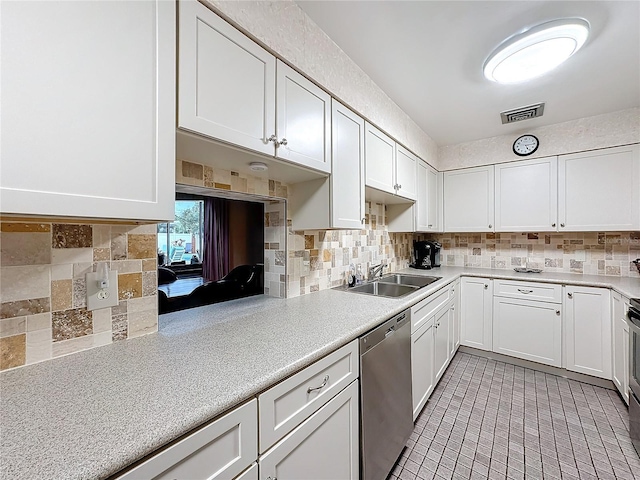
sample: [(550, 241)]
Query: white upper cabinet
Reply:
[(303, 124), (88, 109), (233, 90), (380, 159), (526, 196), (600, 190), (227, 84), (406, 164), (347, 179), (469, 200), (428, 206)]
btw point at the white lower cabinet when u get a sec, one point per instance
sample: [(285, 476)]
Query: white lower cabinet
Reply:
[(250, 474), (528, 329), (476, 315), (454, 306), (441, 324), (325, 446), (620, 372), (587, 330), (422, 378), (221, 450)]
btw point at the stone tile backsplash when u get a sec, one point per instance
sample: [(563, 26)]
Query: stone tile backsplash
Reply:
[(591, 253), (43, 311), (319, 259)]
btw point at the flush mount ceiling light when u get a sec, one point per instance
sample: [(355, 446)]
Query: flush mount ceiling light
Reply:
[(258, 166), (536, 51)]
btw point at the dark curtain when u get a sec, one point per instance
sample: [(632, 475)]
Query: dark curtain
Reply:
[(215, 262)]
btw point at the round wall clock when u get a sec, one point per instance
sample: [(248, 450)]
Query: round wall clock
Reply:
[(525, 145)]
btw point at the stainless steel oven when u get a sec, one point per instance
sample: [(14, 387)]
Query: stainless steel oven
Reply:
[(634, 372)]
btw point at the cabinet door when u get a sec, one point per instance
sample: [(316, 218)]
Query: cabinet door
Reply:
[(620, 366), (600, 190), (88, 109), (250, 474), (527, 329), (406, 164), (227, 82), (468, 200), (379, 159), (303, 120), (347, 178), (221, 450), (428, 198), (455, 291), (326, 446), (422, 371), (526, 195), (588, 330), (476, 312), (441, 324)]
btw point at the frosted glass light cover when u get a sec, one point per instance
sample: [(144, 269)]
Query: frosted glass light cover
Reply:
[(537, 51)]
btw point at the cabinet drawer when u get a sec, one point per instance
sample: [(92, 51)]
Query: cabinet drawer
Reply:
[(220, 450), (285, 406), (421, 312), (542, 292)]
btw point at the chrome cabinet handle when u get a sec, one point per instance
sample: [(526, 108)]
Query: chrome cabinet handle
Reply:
[(399, 187), (570, 295), (430, 226), (525, 291), (557, 312), (490, 226), (486, 286), (273, 139), (363, 219), (282, 142), (553, 224), (562, 224), (271, 478), (323, 384)]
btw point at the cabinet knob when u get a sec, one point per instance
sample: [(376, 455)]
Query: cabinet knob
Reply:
[(562, 224), (490, 226), (282, 142), (273, 139), (570, 295), (363, 219), (557, 312), (271, 478), (430, 225), (399, 187), (553, 224), (486, 286)]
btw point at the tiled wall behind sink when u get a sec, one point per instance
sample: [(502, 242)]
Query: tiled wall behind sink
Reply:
[(592, 253), (318, 259), (43, 311)]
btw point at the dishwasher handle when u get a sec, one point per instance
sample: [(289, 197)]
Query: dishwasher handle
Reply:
[(385, 330)]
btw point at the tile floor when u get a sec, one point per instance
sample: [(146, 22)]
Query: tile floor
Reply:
[(489, 419)]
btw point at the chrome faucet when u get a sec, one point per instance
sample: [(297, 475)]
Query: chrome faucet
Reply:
[(375, 270)]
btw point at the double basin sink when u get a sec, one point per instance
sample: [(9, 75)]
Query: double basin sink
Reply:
[(394, 285)]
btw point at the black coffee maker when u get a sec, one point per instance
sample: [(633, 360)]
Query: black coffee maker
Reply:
[(426, 255)]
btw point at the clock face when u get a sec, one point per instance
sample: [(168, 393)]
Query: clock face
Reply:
[(525, 145)]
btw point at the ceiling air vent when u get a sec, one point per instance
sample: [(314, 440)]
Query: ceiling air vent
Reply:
[(522, 113)]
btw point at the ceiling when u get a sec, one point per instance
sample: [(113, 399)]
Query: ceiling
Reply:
[(428, 57)]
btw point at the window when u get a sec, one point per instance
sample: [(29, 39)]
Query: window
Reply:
[(181, 240)]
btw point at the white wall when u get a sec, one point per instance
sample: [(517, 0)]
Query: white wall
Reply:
[(284, 28), (599, 131)]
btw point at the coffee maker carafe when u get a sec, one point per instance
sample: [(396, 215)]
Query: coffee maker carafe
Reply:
[(426, 255)]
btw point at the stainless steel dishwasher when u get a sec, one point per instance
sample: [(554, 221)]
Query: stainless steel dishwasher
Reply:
[(385, 395)]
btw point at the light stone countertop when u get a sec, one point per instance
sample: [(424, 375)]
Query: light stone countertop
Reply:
[(90, 414)]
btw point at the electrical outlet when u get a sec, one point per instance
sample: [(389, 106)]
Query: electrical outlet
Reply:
[(101, 297)]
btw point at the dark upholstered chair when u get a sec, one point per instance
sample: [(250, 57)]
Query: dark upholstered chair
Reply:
[(166, 275)]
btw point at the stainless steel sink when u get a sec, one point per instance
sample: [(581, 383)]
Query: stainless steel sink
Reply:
[(384, 289), (411, 280)]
